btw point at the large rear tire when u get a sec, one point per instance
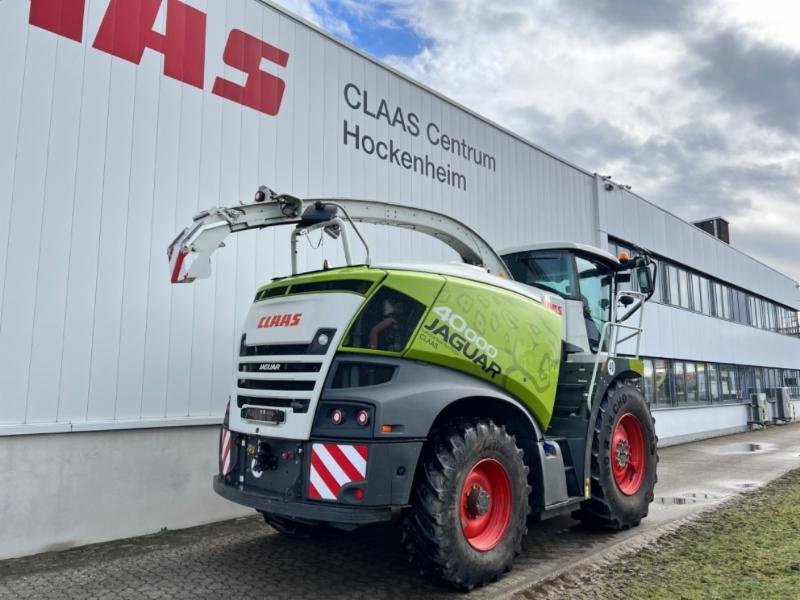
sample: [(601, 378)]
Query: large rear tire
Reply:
[(623, 463), (469, 503)]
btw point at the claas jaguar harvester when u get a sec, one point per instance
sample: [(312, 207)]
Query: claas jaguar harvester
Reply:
[(464, 400)]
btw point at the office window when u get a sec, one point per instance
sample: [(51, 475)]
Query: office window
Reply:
[(772, 379), (758, 312), (758, 380), (702, 384), (747, 384), (726, 303), (739, 307), (691, 382), (697, 297), (719, 305), (771, 318), (658, 295), (683, 282), (704, 296), (662, 282), (661, 372), (673, 287), (727, 376), (649, 382), (678, 383), (741, 298), (713, 382)]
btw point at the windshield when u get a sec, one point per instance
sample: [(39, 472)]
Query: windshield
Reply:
[(545, 269)]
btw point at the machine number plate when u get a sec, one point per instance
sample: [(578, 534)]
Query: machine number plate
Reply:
[(268, 415)]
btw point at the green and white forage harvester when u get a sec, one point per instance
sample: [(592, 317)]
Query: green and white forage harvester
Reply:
[(464, 400)]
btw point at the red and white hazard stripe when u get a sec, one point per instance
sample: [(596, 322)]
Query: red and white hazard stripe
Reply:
[(225, 462), (178, 268), (333, 466)]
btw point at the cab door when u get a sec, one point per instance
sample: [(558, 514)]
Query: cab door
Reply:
[(595, 280)]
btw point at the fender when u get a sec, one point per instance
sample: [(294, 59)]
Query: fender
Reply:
[(417, 394)]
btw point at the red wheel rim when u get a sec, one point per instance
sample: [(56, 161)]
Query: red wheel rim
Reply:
[(628, 454), (485, 504)]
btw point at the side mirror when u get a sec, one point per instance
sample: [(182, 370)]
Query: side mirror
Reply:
[(645, 278)]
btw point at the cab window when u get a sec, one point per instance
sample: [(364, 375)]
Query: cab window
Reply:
[(595, 285), (550, 270)]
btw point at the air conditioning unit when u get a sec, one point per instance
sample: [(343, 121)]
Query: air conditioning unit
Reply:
[(783, 410), (758, 410)]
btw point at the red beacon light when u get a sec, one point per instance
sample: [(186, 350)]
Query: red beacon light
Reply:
[(362, 418), (337, 416)]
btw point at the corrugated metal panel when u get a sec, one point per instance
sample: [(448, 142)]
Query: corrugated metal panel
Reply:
[(103, 160), (677, 333)]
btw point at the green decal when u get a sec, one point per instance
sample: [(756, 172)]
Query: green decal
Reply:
[(636, 366), (497, 335)]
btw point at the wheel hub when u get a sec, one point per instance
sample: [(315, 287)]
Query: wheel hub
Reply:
[(478, 501), (628, 454), (485, 504), (623, 453)]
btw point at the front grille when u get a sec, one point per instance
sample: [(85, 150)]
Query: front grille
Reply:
[(277, 384), (283, 382), (274, 350), (315, 347), (297, 405), (279, 367)]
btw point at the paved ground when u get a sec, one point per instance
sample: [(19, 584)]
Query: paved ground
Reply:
[(244, 558)]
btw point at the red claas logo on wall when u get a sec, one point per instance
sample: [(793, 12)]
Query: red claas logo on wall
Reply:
[(127, 30), (290, 320)]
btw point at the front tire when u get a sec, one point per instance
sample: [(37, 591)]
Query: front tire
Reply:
[(470, 503), (623, 463)]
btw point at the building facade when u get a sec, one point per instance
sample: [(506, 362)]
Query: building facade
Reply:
[(121, 119)]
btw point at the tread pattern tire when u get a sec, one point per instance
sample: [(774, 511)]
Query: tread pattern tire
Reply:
[(608, 507), (432, 531)]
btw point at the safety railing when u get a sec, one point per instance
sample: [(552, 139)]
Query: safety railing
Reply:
[(610, 334)]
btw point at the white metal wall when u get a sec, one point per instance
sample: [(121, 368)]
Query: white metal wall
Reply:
[(677, 333), (102, 161)]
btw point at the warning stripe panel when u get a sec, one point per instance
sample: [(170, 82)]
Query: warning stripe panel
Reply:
[(225, 463), (334, 466)]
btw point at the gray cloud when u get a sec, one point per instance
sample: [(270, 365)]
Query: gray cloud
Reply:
[(764, 79), (636, 17)]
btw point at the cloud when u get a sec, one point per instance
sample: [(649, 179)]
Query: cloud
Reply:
[(696, 106), (762, 79)]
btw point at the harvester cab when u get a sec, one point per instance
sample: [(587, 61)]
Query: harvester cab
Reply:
[(461, 399)]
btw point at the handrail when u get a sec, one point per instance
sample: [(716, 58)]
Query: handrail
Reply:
[(614, 327)]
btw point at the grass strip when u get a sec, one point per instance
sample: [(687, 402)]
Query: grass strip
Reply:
[(747, 549)]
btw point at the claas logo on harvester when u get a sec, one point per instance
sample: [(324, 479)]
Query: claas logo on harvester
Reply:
[(288, 320)]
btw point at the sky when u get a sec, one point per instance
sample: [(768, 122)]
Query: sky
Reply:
[(695, 105)]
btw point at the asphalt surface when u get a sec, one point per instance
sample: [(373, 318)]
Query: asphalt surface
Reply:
[(245, 558)]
